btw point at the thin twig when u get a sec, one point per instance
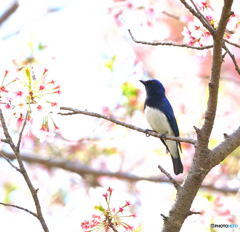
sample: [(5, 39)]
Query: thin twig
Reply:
[(233, 44), (170, 15), (199, 16), (167, 43), (112, 227), (147, 132), (9, 161), (21, 132), (233, 59), (6, 133), (224, 54), (171, 179), (19, 207), (199, 12)]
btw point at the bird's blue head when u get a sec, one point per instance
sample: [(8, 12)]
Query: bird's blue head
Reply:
[(154, 88)]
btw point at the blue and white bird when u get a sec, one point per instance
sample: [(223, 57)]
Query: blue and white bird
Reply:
[(160, 116)]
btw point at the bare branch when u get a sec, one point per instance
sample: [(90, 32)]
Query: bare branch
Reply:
[(9, 12), (19, 207), (215, 75), (230, 143), (171, 179), (82, 169), (147, 132), (170, 15), (167, 43), (24, 173), (233, 44)]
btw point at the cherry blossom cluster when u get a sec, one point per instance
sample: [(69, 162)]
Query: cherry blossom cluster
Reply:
[(195, 34), (25, 96), (135, 13), (110, 219)]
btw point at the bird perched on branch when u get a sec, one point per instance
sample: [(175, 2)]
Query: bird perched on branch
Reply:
[(160, 116)]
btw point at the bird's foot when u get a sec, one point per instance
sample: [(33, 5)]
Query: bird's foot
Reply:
[(147, 132), (163, 135)]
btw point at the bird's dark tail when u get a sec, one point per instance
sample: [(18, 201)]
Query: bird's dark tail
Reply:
[(173, 149), (177, 165)]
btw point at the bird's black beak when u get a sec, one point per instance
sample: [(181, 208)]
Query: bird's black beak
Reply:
[(143, 82)]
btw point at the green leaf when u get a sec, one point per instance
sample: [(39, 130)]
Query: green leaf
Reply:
[(110, 63), (27, 73), (209, 197), (41, 46), (137, 229), (99, 208), (8, 189), (129, 90), (110, 150)]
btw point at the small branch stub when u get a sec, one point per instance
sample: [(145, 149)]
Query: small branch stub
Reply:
[(171, 179), (165, 218)]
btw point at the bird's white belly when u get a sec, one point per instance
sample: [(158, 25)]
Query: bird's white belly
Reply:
[(158, 121)]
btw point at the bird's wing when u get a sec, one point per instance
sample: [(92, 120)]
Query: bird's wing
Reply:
[(173, 123), (166, 108)]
